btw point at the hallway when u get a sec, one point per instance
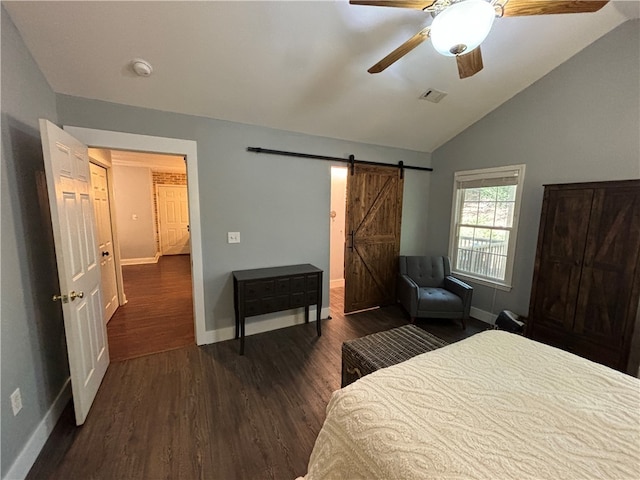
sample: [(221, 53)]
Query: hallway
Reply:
[(159, 313)]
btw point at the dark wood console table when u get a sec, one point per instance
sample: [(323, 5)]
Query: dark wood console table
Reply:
[(267, 290)]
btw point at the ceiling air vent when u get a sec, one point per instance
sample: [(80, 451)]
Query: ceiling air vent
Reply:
[(432, 95)]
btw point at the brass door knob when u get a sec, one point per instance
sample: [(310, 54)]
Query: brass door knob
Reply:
[(62, 298), (73, 295)]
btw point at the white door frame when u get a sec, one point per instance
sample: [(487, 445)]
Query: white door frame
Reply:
[(189, 148)]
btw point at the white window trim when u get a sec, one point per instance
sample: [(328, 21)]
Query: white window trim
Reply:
[(466, 175)]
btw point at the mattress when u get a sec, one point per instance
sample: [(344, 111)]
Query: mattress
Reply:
[(493, 406)]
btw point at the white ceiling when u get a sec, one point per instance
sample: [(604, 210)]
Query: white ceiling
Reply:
[(295, 65)]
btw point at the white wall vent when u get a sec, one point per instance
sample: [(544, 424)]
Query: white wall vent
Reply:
[(433, 95)]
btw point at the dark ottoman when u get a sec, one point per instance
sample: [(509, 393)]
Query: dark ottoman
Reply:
[(362, 356)]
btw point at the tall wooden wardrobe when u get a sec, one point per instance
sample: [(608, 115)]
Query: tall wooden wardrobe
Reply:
[(586, 282)]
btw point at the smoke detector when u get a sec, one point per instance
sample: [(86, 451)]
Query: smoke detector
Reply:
[(141, 67)]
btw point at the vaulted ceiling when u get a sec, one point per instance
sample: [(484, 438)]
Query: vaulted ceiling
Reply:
[(295, 65)]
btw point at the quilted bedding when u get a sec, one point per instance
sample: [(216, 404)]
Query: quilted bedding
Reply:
[(493, 406)]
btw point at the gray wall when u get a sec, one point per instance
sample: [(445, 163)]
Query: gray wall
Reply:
[(33, 348), (581, 122), (133, 195), (280, 205)]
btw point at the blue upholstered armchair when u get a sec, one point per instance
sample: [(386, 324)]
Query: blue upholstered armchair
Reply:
[(426, 289)]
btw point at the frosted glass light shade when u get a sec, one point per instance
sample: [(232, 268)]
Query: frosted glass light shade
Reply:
[(462, 27)]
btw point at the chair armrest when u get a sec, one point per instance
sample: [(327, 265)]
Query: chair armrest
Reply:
[(408, 292), (461, 289)]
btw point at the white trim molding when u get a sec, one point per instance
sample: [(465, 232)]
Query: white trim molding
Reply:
[(34, 445), (140, 261), (189, 149), (265, 323), (483, 315), (336, 283)]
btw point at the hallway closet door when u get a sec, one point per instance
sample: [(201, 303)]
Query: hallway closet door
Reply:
[(100, 197)]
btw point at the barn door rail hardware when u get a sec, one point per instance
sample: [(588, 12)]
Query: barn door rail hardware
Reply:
[(351, 160)]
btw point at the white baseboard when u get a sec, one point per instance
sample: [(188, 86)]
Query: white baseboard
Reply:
[(140, 261), (256, 325), (483, 315), (336, 283), (34, 445)]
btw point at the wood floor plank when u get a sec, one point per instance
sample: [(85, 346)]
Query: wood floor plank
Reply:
[(159, 313), (209, 413)]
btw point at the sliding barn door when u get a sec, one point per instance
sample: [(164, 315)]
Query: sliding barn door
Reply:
[(374, 211)]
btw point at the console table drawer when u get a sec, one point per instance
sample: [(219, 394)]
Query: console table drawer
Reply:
[(298, 283), (312, 282), (298, 300), (259, 289), (252, 307), (274, 304), (283, 285), (311, 297)]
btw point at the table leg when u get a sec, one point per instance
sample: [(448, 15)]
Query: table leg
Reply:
[(319, 307), (306, 313), (242, 336), (318, 323)]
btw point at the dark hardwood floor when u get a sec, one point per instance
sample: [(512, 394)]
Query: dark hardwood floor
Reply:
[(206, 412), (159, 313)]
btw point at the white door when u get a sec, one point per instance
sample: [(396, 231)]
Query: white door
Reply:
[(173, 212), (100, 197), (68, 181)]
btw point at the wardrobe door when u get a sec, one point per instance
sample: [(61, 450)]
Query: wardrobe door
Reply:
[(557, 278), (605, 310)]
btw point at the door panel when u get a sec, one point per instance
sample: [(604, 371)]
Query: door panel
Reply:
[(561, 262), (67, 171), (610, 259), (173, 212), (374, 212)]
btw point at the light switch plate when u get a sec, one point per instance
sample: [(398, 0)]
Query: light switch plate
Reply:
[(233, 237)]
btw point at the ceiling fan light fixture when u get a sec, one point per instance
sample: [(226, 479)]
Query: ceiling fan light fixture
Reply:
[(462, 27)]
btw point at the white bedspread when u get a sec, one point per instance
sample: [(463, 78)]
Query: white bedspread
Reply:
[(494, 406)]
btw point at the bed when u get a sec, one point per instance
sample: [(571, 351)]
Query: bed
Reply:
[(493, 406)]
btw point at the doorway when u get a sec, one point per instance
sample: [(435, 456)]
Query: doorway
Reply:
[(149, 198), (369, 234), (337, 217), (188, 149)]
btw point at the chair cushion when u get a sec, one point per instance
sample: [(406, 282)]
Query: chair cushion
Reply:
[(438, 300), (426, 271)]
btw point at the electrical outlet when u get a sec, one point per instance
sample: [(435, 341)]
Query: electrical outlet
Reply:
[(16, 401), (233, 237)]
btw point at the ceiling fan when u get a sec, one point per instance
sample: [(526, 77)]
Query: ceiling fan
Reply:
[(460, 26)]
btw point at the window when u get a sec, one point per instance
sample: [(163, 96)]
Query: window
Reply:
[(485, 222)]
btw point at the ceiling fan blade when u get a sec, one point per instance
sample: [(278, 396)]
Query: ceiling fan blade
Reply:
[(470, 63), (417, 4), (401, 51), (514, 8)]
